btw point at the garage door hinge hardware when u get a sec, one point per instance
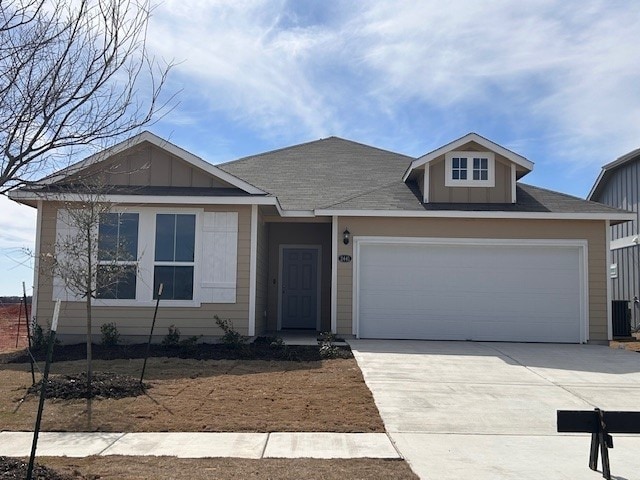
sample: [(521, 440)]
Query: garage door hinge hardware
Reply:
[(600, 425)]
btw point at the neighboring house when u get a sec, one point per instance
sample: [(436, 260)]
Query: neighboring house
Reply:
[(336, 235), (618, 185)]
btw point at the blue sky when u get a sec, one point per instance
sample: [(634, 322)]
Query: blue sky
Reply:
[(556, 81)]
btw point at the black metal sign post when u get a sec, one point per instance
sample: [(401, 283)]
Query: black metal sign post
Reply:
[(153, 324), (26, 310), (45, 378), (600, 424)]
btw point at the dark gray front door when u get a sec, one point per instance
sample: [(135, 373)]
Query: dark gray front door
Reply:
[(299, 287)]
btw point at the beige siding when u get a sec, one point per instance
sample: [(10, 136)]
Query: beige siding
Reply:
[(262, 274), (299, 234), (439, 193), (594, 232), (137, 320), (148, 165)]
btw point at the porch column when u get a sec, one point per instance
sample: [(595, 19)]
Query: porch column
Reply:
[(252, 270), (334, 274)]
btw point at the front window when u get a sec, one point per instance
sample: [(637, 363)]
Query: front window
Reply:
[(174, 256), (117, 256)]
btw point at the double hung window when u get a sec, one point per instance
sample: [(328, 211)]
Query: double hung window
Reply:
[(174, 256), (117, 256)]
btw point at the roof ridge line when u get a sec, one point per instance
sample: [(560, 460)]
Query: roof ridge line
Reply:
[(346, 199)]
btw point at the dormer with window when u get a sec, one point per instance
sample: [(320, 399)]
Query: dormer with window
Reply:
[(471, 169)]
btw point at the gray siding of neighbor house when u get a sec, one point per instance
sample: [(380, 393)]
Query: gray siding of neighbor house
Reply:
[(622, 190)]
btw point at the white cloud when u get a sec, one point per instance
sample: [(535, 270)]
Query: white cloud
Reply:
[(568, 70), (17, 225)]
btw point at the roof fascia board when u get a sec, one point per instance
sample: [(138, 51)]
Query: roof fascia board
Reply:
[(26, 198), (470, 137), (596, 185), (610, 166), (159, 142), (477, 214)]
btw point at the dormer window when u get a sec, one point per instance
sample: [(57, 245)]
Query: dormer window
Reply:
[(470, 169)]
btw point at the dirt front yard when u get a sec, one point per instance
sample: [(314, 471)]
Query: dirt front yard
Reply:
[(137, 468), (205, 395)]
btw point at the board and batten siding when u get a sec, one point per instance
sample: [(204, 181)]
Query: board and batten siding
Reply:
[(592, 231), (622, 190), (148, 165), (135, 320), (439, 193)]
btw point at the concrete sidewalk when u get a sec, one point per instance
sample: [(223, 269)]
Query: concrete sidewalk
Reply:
[(201, 444)]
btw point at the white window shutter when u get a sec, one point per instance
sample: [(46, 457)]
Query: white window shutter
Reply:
[(219, 261), (65, 232)]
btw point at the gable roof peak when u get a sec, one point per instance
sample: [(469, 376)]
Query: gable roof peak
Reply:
[(147, 136), (524, 164)]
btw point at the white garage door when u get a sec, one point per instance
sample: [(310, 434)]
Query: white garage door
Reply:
[(503, 292)]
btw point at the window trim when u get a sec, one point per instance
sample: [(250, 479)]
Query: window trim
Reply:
[(470, 182)]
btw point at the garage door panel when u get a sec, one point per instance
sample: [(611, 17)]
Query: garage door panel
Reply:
[(488, 292)]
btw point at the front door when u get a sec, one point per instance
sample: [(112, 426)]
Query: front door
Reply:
[(299, 288)]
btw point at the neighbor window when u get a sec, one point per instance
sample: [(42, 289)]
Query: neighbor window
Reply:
[(174, 256), (117, 256), (469, 169)]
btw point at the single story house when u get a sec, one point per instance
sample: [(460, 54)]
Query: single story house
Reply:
[(334, 235), (618, 185)]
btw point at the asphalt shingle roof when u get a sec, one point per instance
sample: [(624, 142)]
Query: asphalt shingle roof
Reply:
[(339, 174), (398, 196), (320, 173)]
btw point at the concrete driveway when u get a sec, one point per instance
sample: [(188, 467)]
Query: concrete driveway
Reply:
[(466, 410)]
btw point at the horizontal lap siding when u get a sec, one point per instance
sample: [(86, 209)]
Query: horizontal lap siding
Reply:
[(592, 231), (137, 320)]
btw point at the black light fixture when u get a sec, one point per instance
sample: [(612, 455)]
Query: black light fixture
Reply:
[(345, 236)]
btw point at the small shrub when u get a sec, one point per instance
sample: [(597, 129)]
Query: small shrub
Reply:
[(38, 339), (231, 338), (110, 334), (327, 337), (328, 350), (172, 339), (188, 345), (277, 342)]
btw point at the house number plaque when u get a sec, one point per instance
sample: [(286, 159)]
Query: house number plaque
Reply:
[(344, 258)]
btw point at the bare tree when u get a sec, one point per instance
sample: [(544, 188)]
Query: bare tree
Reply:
[(91, 258), (72, 74)]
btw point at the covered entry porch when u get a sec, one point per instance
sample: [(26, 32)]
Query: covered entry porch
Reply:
[(296, 275)]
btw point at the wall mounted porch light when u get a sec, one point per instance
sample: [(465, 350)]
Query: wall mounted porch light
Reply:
[(345, 236)]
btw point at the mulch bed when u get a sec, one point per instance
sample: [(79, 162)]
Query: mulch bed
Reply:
[(261, 349), (13, 468), (104, 384)]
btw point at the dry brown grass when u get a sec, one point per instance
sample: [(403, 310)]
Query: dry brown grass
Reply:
[(143, 468), (206, 395)]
